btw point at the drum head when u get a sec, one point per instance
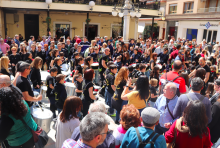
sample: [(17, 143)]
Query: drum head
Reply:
[(45, 114), (95, 64), (65, 67)]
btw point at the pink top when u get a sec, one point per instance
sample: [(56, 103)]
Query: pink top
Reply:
[(4, 47)]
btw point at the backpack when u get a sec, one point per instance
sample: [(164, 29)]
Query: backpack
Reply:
[(164, 84), (142, 144)]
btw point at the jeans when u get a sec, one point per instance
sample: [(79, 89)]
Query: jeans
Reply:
[(147, 73), (215, 145), (151, 103), (118, 113), (59, 110), (140, 110), (160, 130), (96, 76), (108, 101)]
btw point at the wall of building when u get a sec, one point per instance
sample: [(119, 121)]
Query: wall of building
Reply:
[(2, 23), (77, 20)]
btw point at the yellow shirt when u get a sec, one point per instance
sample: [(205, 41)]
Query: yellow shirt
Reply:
[(134, 98)]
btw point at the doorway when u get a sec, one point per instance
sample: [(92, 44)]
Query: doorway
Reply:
[(31, 26), (171, 32), (93, 32)]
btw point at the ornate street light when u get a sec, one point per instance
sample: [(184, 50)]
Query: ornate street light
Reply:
[(48, 20)]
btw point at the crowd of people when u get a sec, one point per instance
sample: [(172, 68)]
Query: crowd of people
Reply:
[(162, 93)]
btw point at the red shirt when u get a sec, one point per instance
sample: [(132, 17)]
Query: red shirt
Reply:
[(174, 54), (184, 140), (180, 82)]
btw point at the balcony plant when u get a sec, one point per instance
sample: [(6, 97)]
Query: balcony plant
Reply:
[(88, 20)]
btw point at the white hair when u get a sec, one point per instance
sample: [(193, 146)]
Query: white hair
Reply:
[(97, 106)]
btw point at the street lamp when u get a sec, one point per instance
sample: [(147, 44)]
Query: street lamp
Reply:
[(91, 5), (126, 11), (48, 16)]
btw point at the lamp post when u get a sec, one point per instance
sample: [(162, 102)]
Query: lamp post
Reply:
[(91, 5), (48, 16), (127, 11)]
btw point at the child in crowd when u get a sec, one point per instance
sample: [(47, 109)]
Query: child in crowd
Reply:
[(153, 93), (78, 83), (60, 92), (213, 75), (50, 82), (142, 70), (57, 63), (130, 69), (73, 60), (118, 63), (110, 87), (63, 58), (78, 68)]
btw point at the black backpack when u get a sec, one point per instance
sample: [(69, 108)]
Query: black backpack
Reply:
[(142, 144), (164, 84)]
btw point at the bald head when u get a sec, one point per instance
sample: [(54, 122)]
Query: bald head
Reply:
[(202, 61), (5, 81), (170, 90), (177, 65)]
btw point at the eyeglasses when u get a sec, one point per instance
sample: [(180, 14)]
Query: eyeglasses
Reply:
[(103, 133)]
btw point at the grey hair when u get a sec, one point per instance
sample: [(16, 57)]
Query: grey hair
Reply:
[(197, 83), (172, 86), (92, 125), (97, 106), (106, 49), (59, 43), (23, 66), (75, 44)]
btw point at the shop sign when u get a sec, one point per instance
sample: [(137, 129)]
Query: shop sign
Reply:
[(208, 25)]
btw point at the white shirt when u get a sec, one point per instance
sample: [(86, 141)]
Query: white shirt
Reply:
[(65, 130)]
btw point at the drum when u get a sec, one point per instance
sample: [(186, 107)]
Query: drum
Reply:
[(35, 93), (43, 118), (70, 89), (43, 91), (44, 75), (65, 67), (159, 65), (95, 65)]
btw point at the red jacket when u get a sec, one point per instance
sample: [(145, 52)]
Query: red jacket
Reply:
[(184, 140)]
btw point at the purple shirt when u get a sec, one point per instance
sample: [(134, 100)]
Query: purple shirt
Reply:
[(70, 143)]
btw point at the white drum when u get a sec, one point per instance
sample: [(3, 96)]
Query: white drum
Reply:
[(65, 67), (43, 118), (95, 65), (44, 75), (70, 89), (43, 91), (159, 65)]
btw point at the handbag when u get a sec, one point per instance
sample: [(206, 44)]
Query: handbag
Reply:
[(172, 145), (40, 136)]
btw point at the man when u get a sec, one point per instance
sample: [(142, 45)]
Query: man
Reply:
[(24, 85), (30, 43), (41, 54), (4, 47), (163, 56), (132, 44), (106, 39), (17, 40), (73, 49), (197, 85), (180, 55), (150, 117), (203, 44), (79, 48), (45, 41), (160, 48), (109, 45), (165, 104), (202, 64), (85, 41), (215, 97), (179, 81), (110, 140), (68, 46), (93, 129)]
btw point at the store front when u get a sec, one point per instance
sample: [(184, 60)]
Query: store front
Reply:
[(208, 30)]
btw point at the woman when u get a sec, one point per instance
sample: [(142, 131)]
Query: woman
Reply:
[(55, 54), (4, 66), (155, 74), (153, 61), (191, 129), (140, 95), (91, 50), (145, 58), (33, 51), (200, 72), (104, 45), (88, 61), (35, 73), (187, 58), (88, 96), (196, 56), (78, 68), (117, 53), (23, 52), (126, 59), (29, 60), (67, 120), (14, 58), (47, 55), (185, 76), (120, 82), (213, 57), (214, 124), (13, 110), (130, 117)]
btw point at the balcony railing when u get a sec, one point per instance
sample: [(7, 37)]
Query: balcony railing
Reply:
[(142, 5), (210, 9)]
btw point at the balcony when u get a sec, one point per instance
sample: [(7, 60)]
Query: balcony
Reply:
[(210, 9), (142, 5)]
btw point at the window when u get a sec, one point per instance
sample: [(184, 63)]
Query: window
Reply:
[(204, 34), (173, 9), (210, 35), (188, 7)]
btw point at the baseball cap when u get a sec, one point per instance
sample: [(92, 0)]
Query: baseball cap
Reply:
[(150, 115)]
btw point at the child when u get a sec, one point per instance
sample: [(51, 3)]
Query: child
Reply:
[(110, 87), (57, 63), (213, 75), (107, 71), (78, 83), (135, 56), (118, 63), (50, 81), (130, 69), (60, 92), (78, 68), (131, 51), (73, 60), (153, 93), (210, 90), (142, 70), (64, 59)]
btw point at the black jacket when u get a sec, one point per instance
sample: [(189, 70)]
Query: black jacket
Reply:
[(35, 77), (60, 95)]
